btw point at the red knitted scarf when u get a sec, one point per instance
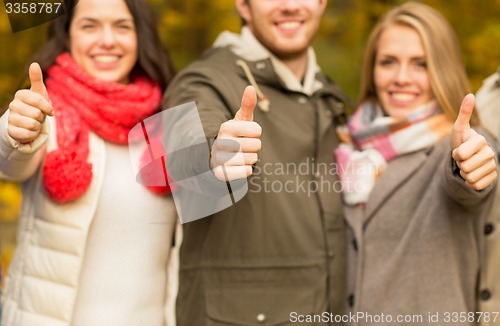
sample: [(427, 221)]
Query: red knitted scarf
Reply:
[(83, 103)]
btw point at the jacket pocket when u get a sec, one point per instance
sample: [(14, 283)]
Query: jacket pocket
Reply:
[(247, 306)]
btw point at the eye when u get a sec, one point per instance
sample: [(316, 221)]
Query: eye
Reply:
[(385, 62), (125, 27), (88, 26), (422, 64)]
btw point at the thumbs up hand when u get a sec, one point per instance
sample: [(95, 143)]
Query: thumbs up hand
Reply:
[(471, 151), (29, 109), (238, 141)]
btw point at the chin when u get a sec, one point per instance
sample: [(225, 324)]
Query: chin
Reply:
[(110, 78), (290, 52)]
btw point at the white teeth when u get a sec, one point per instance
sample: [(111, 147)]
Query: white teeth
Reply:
[(403, 97), (289, 25), (106, 58)]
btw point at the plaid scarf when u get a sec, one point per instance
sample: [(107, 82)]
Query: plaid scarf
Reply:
[(371, 139)]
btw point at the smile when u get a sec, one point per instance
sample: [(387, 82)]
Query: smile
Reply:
[(106, 58), (403, 97), (290, 25)]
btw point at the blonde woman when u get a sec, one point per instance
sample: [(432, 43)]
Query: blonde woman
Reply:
[(417, 175)]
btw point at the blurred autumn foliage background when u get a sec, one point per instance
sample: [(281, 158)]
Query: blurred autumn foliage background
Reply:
[(190, 26)]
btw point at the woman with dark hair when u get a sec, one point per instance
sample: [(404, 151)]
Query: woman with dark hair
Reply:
[(93, 243)]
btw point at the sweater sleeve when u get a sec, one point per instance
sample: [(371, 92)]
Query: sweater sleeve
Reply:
[(19, 162), (455, 186)]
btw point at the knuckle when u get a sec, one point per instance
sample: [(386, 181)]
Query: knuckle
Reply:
[(34, 125), (472, 178), (26, 135), (219, 173), (258, 129), (490, 153), (11, 131), (41, 117), (15, 105), (258, 144), (40, 101), (464, 167), (217, 158), (477, 186), (20, 93), (225, 127)]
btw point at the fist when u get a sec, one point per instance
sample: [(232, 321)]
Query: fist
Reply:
[(471, 151), (238, 142), (29, 109)]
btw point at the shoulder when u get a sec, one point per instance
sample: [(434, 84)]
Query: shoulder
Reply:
[(214, 63), (487, 98)]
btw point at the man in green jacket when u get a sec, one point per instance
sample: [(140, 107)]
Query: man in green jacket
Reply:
[(277, 256)]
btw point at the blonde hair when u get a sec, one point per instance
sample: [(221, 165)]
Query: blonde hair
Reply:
[(447, 76)]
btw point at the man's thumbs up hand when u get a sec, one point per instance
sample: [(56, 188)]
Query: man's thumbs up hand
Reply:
[(248, 103), (28, 110), (471, 151), (238, 141)]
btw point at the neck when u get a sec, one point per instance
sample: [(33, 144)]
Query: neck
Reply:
[(298, 65)]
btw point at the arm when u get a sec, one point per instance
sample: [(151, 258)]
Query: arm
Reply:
[(19, 162), (198, 108), (470, 150), (24, 129), (237, 135), (470, 172)]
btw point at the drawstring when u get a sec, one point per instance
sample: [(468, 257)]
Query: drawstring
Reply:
[(263, 101)]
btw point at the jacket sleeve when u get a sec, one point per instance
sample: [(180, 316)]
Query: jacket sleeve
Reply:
[(455, 186), (19, 162), (210, 100), (217, 98)]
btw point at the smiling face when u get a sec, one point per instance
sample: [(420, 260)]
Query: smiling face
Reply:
[(285, 27), (400, 72), (103, 39)]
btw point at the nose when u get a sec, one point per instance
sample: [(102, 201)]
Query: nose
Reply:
[(403, 75), (107, 37), (290, 5)]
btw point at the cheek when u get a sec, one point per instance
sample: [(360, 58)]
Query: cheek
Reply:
[(381, 78), (423, 82), (79, 46), (129, 43)]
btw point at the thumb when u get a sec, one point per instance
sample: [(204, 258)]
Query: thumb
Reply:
[(462, 125), (248, 103), (36, 80)]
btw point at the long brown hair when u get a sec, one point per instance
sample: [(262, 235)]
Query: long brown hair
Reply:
[(153, 60), (448, 79)]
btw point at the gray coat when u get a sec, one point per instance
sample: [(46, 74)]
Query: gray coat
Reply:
[(415, 248)]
